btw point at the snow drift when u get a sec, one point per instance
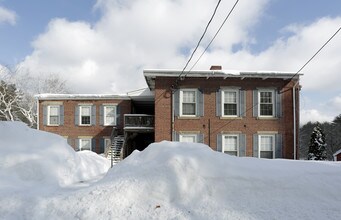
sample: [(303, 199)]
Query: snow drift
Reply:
[(171, 180), (30, 158)]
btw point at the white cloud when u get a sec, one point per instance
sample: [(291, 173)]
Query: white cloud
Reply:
[(7, 16), (130, 36), (313, 115), (110, 55)]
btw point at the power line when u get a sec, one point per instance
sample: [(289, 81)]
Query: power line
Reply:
[(235, 4), (195, 49), (256, 104), (316, 53)]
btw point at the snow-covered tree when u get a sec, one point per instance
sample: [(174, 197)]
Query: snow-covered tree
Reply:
[(17, 91), (10, 96), (317, 147)]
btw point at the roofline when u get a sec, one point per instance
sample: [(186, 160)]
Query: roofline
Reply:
[(336, 153), (151, 74), (46, 97)]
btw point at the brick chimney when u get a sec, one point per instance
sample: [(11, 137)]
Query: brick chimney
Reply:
[(216, 68)]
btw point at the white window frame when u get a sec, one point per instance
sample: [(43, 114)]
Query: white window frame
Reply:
[(181, 136), (223, 101), (85, 139), (196, 102), (273, 144), (80, 114), (107, 141), (49, 114), (230, 135), (105, 115), (273, 103)]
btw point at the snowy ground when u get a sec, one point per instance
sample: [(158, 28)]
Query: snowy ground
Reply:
[(41, 177)]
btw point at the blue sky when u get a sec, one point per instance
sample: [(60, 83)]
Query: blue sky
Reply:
[(98, 46)]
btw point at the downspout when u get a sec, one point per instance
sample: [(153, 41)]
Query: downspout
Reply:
[(294, 117)]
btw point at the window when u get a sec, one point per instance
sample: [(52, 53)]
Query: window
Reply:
[(107, 142), (110, 115), (266, 103), (191, 138), (53, 115), (266, 146), (230, 144), (188, 102), (85, 115), (85, 144), (230, 103)]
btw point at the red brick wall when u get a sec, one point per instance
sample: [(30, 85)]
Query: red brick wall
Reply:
[(211, 125), (73, 131)]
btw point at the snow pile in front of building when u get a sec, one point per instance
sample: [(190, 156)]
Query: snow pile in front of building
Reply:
[(171, 180), (31, 158)]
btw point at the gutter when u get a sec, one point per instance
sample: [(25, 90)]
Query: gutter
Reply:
[(294, 118)]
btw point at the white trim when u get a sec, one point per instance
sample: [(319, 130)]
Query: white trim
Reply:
[(223, 102), (105, 115), (80, 114), (182, 135), (223, 142), (49, 114), (85, 139), (181, 102), (273, 103), (273, 144)]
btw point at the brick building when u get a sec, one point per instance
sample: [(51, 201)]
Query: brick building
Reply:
[(239, 113)]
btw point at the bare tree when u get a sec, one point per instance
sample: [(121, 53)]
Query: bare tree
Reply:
[(17, 93)]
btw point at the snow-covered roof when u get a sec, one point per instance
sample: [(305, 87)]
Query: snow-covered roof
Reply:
[(337, 152), (151, 74), (144, 94), (49, 96)]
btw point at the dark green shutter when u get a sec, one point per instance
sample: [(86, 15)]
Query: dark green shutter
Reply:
[(219, 142), (255, 145), (118, 115), (200, 105), (278, 108), (242, 145), (61, 115), (101, 145), (45, 115), (176, 136), (255, 103), (101, 115), (200, 138), (77, 115), (176, 107), (93, 115), (218, 103), (279, 146), (76, 144), (242, 103), (93, 145)]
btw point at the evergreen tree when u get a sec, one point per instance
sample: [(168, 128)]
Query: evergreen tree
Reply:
[(317, 147)]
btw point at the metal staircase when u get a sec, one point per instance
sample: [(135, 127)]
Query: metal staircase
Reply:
[(114, 151)]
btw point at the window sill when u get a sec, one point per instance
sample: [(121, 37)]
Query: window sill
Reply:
[(230, 117), (267, 118), (85, 125), (113, 125), (188, 117), (53, 125)]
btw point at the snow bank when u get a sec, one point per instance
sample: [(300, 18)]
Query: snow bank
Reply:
[(190, 181), (171, 180), (31, 158)]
